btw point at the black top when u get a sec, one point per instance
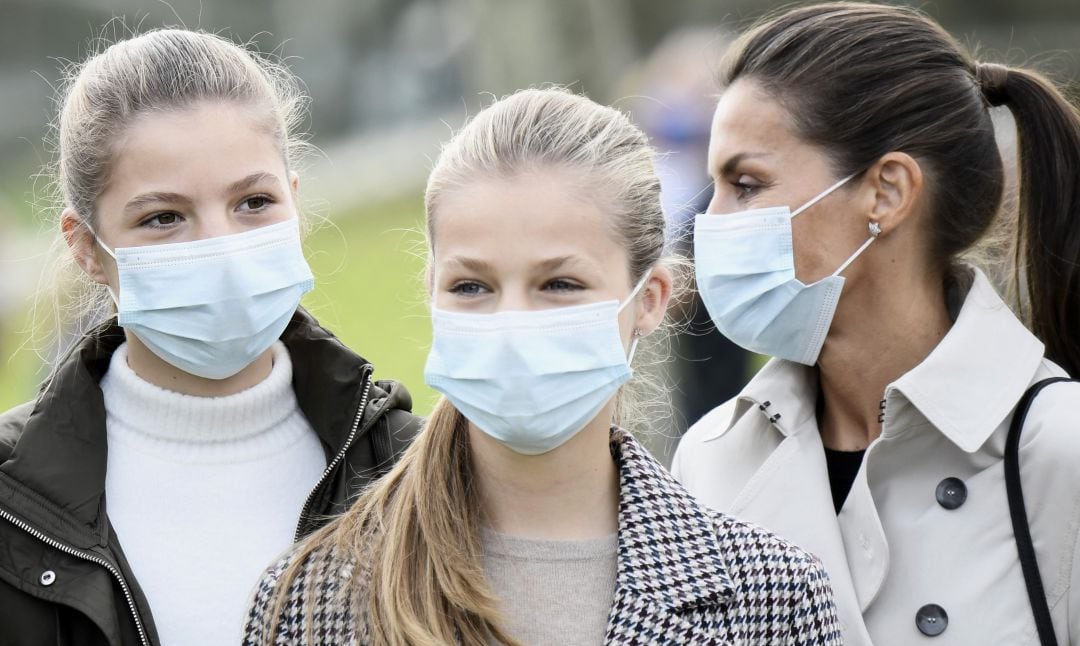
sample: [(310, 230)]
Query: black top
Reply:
[(842, 465)]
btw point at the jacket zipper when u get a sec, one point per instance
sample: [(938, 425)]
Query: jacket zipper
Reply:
[(86, 557), (337, 458)]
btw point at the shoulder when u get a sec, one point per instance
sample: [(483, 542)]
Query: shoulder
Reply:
[(695, 448), (12, 423), (755, 553), (780, 588), (299, 582), (1049, 432)]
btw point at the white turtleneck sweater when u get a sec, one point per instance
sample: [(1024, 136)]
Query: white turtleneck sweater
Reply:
[(204, 493)]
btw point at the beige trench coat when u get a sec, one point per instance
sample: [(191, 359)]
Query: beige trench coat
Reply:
[(894, 549)]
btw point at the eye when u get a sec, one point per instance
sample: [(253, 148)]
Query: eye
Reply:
[(562, 285), (161, 220), (468, 288), (745, 186), (256, 203)]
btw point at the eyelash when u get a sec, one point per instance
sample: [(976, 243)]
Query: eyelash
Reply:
[(568, 285), (459, 288), (563, 286), (744, 190), (266, 199), (149, 222)]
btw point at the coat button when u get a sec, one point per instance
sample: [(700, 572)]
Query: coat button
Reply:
[(951, 493), (48, 577), (932, 620)]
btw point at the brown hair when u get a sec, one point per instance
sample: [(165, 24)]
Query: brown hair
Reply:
[(861, 80), (416, 533)]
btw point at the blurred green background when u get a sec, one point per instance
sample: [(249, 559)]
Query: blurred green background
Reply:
[(389, 80)]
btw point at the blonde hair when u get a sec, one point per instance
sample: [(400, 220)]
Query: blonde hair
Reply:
[(157, 71), (415, 534)]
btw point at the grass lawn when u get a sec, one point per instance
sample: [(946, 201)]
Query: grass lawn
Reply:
[(368, 290)]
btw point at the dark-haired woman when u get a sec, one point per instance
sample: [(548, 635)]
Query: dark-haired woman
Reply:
[(855, 164)]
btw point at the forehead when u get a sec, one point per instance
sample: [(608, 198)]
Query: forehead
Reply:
[(524, 219), (194, 147), (749, 119)]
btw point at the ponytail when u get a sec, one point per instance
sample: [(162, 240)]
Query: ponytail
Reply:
[(415, 539), (1046, 263)]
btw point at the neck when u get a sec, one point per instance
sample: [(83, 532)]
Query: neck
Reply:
[(879, 333), (570, 493), (155, 370)]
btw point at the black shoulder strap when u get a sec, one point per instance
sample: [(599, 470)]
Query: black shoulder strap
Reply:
[(1018, 513)]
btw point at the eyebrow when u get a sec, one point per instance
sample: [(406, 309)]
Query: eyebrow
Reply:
[(142, 200), (252, 180), (552, 264), (548, 265), (733, 162), (472, 264)]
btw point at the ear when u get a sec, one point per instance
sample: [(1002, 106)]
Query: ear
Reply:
[(83, 248), (294, 182), (654, 298), (897, 182)]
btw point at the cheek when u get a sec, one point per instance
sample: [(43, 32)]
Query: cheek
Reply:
[(812, 240)]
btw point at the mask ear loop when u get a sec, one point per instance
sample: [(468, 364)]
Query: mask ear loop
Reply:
[(98, 240), (637, 333), (106, 249), (821, 196), (875, 231)]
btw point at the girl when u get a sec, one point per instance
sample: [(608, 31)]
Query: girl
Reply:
[(192, 437), (521, 515), (876, 437)]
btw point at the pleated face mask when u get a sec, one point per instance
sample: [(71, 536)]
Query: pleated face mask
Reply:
[(211, 307), (530, 379), (745, 267)]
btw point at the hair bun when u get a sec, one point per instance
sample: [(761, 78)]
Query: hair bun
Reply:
[(993, 82)]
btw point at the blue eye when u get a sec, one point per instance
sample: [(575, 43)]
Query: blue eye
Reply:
[(468, 288), (562, 285)]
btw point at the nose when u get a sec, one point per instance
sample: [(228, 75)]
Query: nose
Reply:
[(214, 225), (717, 204), (514, 300)]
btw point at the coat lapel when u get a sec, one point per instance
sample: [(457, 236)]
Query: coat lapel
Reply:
[(668, 564), (775, 427)]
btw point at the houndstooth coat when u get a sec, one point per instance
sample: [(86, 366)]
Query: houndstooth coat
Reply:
[(685, 575)]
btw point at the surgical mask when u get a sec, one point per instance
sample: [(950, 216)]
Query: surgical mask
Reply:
[(530, 379), (745, 266), (211, 307)]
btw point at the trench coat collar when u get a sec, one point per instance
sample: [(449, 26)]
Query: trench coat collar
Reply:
[(972, 380), (965, 387), (793, 384), (667, 554)]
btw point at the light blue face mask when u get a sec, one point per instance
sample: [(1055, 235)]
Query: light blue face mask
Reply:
[(211, 307), (530, 379), (745, 266)]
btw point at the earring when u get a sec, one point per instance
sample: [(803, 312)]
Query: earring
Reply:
[(875, 229), (637, 333)]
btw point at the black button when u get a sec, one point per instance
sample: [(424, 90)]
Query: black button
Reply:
[(932, 620), (951, 493)]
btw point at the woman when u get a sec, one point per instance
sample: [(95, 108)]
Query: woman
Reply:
[(521, 515), (185, 442), (875, 437)]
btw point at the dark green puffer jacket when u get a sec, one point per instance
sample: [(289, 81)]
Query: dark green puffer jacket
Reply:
[(63, 576)]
